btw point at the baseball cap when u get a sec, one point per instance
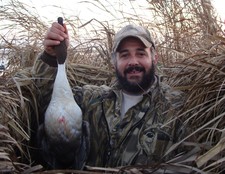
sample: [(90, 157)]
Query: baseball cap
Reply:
[(133, 31)]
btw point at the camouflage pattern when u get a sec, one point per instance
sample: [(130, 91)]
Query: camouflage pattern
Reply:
[(135, 31), (141, 137)]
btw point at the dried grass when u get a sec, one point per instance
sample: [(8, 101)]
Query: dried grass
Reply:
[(191, 49)]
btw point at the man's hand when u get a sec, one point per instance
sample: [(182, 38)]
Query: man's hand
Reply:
[(54, 36)]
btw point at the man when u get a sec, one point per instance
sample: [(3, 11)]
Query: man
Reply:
[(126, 121)]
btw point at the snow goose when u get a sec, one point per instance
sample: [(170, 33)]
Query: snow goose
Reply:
[(64, 135)]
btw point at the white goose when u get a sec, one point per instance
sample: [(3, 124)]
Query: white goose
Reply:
[(65, 132), (63, 117)]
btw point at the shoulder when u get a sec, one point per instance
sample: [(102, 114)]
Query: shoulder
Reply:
[(88, 93), (93, 90), (173, 96)]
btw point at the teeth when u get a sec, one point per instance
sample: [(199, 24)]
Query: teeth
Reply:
[(133, 72)]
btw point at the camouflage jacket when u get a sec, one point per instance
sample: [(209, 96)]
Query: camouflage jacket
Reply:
[(141, 137)]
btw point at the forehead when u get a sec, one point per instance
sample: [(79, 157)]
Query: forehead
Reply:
[(130, 41)]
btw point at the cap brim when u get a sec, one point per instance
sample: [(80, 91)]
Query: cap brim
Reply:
[(142, 39)]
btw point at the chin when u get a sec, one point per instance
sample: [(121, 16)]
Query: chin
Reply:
[(134, 79), (134, 82)]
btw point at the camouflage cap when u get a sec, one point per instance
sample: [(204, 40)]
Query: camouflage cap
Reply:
[(133, 31)]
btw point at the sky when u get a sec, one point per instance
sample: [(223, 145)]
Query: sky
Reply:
[(220, 7), (49, 9), (83, 10)]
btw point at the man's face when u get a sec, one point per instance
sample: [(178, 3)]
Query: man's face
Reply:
[(134, 66)]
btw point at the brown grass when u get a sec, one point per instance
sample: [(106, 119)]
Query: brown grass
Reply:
[(191, 48)]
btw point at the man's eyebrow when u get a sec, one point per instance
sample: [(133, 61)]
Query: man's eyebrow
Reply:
[(123, 50), (141, 49)]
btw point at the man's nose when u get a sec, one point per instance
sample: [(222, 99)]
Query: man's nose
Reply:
[(133, 61)]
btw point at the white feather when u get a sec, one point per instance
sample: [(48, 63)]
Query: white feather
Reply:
[(63, 117)]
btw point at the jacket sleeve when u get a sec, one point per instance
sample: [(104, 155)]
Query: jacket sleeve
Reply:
[(43, 75), (44, 69)]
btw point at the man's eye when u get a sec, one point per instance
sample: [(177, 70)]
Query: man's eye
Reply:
[(141, 53), (124, 55)]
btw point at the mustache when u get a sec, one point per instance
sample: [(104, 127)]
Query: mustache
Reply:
[(132, 68)]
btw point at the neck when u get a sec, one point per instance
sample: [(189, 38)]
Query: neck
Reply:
[(141, 91), (132, 93)]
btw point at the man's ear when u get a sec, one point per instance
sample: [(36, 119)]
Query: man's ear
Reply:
[(155, 59), (114, 65), (113, 60)]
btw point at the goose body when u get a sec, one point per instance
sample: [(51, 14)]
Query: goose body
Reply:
[(64, 137), (63, 117)]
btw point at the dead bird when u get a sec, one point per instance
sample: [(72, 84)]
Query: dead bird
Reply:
[(64, 137)]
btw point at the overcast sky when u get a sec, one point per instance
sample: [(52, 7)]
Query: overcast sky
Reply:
[(49, 9)]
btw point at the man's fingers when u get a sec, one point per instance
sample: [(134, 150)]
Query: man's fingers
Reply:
[(49, 43), (54, 36), (56, 32), (66, 31), (60, 30)]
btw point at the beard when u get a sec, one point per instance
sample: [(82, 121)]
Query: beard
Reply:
[(136, 88)]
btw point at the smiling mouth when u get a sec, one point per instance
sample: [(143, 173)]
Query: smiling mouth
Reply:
[(134, 69)]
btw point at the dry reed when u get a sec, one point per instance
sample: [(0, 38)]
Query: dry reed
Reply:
[(191, 48)]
